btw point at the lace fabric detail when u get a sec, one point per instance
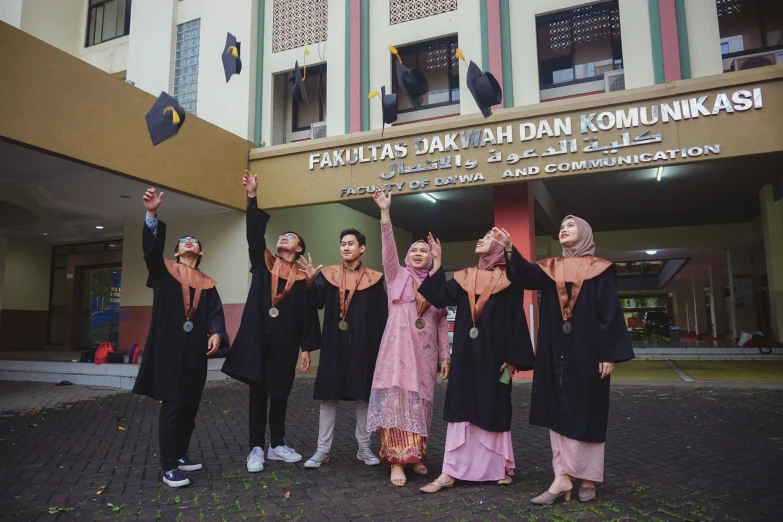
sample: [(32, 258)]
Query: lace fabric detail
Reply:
[(399, 408)]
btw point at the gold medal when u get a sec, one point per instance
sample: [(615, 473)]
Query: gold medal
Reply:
[(342, 325), (274, 312), (420, 323), (474, 332)]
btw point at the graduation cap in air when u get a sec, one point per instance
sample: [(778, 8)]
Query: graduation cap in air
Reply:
[(232, 63), (483, 86), (411, 81), (164, 118), (389, 106), (297, 79)]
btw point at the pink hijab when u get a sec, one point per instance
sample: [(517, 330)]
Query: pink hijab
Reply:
[(401, 289), (584, 244), (495, 257)]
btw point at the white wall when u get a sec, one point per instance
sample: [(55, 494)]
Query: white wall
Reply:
[(11, 12), (703, 37), (56, 23), (151, 45)]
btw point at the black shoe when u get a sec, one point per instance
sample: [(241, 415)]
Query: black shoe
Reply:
[(185, 464), (175, 478)]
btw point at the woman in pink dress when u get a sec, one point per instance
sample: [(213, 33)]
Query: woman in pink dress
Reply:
[(414, 343)]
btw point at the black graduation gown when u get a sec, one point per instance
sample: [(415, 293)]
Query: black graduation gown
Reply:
[(569, 397), (267, 348), (347, 363), (174, 362), (474, 393)]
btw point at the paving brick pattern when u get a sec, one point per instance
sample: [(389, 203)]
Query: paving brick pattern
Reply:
[(674, 453)]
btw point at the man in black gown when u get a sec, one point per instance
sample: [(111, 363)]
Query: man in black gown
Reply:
[(187, 326), (275, 325), (355, 315)]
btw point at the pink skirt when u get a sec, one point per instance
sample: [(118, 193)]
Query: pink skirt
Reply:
[(582, 460), (477, 455)]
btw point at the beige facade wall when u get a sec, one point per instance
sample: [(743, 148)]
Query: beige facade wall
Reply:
[(56, 23), (26, 279), (703, 37)]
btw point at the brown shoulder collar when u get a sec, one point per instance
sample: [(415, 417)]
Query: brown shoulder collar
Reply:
[(333, 274), (461, 277), (597, 266), (196, 278), (285, 266)]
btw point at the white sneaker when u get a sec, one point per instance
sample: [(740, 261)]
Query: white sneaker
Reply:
[(283, 453), (317, 459), (255, 461), (366, 455)]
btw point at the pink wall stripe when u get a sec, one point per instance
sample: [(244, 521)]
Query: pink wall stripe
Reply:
[(356, 66), (495, 52), (670, 41)]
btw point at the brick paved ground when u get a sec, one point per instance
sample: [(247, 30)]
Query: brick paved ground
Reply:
[(674, 453)]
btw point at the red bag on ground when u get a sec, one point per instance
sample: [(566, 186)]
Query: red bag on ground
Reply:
[(102, 353)]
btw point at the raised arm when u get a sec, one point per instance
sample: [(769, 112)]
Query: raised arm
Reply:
[(519, 270), (439, 292), (153, 236), (255, 222), (389, 255)]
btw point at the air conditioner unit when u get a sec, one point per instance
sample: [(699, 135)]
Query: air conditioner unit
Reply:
[(757, 60), (614, 81), (319, 130)]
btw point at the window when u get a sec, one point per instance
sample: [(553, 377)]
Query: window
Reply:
[(437, 61), (749, 26), (303, 116), (578, 45), (186, 64), (107, 20)]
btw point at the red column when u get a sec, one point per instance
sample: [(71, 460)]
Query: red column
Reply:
[(514, 211)]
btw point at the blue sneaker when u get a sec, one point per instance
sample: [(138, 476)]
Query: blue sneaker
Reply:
[(175, 478), (185, 464)]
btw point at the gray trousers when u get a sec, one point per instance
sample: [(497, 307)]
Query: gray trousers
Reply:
[(328, 415)]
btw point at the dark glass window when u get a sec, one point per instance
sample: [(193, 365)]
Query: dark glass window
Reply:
[(107, 20), (749, 26), (578, 45), (437, 61), (303, 116)]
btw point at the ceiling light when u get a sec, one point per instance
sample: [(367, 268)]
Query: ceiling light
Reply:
[(112, 246), (429, 196), (99, 227), (45, 234), (660, 173), (650, 252)]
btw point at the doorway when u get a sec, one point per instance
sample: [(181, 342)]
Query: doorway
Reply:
[(99, 313)]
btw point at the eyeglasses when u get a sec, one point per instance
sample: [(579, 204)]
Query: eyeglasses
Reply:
[(287, 236), (186, 239)]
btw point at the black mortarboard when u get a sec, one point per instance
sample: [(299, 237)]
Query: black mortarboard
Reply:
[(164, 118), (389, 106), (484, 88), (298, 89), (232, 63), (411, 81)]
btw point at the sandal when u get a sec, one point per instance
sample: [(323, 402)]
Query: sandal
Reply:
[(435, 486), (506, 481), (398, 477), (419, 468)]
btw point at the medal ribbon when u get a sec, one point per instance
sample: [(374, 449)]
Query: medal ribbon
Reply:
[(345, 302), (421, 303), (476, 308), (289, 284), (184, 280), (566, 304)]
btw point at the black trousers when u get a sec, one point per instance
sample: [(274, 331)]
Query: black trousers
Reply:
[(257, 416), (176, 424)]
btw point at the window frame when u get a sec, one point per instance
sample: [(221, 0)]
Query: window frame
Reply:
[(320, 69), (102, 3), (416, 49), (762, 27), (568, 14)]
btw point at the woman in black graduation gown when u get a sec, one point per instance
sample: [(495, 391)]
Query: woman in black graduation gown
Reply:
[(581, 335), (271, 333), (173, 367), (491, 342)]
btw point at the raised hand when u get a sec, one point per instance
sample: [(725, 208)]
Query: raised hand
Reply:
[(307, 268), (250, 182), (502, 236), (435, 248), (152, 201), (382, 200)]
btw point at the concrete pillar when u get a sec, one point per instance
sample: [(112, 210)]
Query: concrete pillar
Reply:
[(703, 36), (732, 297), (717, 304), (772, 223), (688, 307), (699, 306), (681, 319)]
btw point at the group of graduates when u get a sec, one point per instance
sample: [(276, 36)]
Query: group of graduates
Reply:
[(382, 345)]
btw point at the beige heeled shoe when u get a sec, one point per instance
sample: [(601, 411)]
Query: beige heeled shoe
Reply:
[(547, 498), (586, 494)]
